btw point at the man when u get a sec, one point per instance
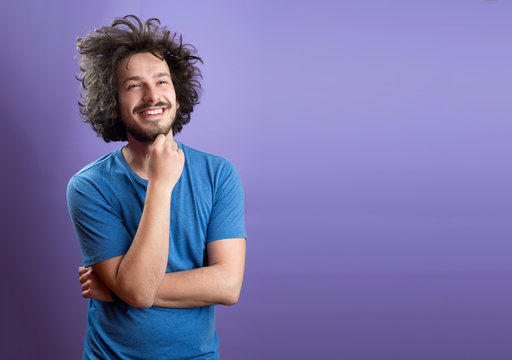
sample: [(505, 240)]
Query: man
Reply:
[(160, 224)]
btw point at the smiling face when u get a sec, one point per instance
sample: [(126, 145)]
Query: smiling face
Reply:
[(146, 97)]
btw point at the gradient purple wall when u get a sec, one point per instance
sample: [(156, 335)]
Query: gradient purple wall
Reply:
[(373, 139)]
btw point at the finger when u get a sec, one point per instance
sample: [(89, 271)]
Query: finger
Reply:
[(82, 269), (86, 285), (84, 277), (159, 140), (86, 294)]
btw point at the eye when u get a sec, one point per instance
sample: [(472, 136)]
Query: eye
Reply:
[(133, 86), (162, 82)]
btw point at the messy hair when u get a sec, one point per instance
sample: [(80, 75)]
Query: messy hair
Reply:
[(103, 49)]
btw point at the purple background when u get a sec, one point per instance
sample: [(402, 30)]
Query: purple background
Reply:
[(373, 140)]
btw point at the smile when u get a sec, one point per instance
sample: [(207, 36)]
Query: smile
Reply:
[(154, 112), (151, 112)]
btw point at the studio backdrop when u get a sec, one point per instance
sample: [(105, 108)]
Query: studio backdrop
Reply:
[(373, 141)]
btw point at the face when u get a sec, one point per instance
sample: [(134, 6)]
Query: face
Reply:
[(146, 98)]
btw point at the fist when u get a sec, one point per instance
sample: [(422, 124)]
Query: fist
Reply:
[(92, 286), (165, 163)]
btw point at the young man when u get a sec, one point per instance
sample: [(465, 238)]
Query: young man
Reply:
[(160, 224)]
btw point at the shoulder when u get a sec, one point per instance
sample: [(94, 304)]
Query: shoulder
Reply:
[(96, 174), (195, 154), (211, 171), (207, 161)]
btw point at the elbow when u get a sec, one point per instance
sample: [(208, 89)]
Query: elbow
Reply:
[(141, 302), (232, 294), (136, 294), (231, 299), (137, 300)]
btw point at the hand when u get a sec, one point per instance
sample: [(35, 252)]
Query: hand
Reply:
[(92, 285), (165, 163)]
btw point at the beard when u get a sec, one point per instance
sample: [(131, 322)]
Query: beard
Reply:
[(148, 135)]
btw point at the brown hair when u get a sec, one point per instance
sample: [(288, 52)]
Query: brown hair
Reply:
[(101, 52)]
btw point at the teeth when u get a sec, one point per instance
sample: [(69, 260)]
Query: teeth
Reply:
[(153, 112)]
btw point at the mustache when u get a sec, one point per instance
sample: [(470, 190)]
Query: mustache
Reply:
[(145, 106)]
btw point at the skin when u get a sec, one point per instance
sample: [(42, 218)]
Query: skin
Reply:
[(145, 84), (138, 277)]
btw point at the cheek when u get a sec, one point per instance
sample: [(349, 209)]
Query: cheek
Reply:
[(126, 105)]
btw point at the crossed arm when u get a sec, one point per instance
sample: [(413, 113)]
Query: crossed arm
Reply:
[(218, 283), (139, 278)]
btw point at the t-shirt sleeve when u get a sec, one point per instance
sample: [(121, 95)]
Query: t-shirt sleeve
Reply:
[(99, 228), (227, 215)]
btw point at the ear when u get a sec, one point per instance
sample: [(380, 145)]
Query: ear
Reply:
[(115, 114), (177, 105)]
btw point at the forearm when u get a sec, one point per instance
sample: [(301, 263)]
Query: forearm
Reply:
[(142, 268), (204, 286), (136, 276), (218, 283)]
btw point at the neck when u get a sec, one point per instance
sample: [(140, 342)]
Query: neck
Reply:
[(137, 153)]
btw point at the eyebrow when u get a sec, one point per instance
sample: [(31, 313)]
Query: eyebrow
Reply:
[(156, 76), (159, 75)]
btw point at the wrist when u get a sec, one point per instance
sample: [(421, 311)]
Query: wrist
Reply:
[(160, 187)]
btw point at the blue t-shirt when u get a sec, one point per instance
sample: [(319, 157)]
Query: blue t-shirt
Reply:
[(105, 200)]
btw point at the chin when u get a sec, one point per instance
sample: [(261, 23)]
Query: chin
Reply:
[(147, 136)]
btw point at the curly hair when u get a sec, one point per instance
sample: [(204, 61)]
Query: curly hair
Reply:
[(103, 49)]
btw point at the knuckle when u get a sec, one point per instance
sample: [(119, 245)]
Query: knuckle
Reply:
[(86, 285)]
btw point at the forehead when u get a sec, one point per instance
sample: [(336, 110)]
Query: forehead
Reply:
[(141, 65)]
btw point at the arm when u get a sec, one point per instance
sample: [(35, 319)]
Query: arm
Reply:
[(218, 283), (92, 286), (136, 276)]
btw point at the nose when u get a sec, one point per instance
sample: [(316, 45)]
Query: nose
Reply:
[(150, 94)]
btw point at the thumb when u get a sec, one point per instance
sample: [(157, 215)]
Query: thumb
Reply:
[(159, 140)]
